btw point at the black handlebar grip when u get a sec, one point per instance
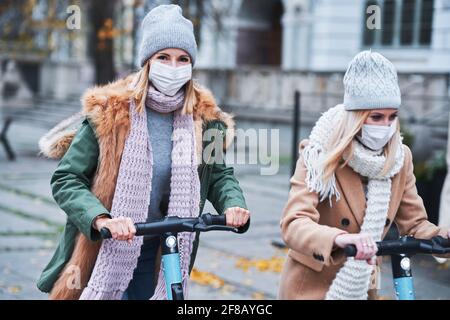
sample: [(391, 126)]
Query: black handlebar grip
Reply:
[(444, 242), (350, 250), (105, 233), (244, 228), (220, 220)]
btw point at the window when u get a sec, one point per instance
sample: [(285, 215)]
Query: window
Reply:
[(426, 22), (388, 19), (404, 23)]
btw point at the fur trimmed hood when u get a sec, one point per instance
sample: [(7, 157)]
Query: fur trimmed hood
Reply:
[(107, 106)]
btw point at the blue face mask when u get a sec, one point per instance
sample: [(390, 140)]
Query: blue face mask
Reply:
[(376, 137)]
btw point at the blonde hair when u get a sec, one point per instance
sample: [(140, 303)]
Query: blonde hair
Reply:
[(142, 82), (340, 144)]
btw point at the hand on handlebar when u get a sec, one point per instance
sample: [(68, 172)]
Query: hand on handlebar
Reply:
[(407, 245), (206, 222), (122, 229), (237, 217), (365, 245)]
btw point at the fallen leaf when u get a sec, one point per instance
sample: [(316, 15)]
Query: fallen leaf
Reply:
[(444, 266), (15, 289), (258, 296), (206, 279), (274, 264)]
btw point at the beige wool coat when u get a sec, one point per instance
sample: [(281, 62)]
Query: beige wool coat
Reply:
[(309, 227)]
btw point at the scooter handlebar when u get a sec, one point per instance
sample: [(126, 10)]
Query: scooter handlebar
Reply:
[(350, 250), (105, 233), (206, 222), (407, 245)]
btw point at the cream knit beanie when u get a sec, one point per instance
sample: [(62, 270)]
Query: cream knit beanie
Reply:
[(371, 83)]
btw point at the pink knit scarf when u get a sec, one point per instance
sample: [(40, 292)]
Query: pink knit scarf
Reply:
[(117, 260)]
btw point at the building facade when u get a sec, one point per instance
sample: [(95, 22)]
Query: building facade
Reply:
[(254, 54), (323, 35)]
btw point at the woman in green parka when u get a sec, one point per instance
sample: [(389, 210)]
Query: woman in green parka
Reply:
[(140, 144)]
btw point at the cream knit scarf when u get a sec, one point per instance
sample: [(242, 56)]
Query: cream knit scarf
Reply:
[(352, 280)]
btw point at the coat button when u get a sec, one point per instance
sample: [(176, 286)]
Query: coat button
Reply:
[(345, 222), (388, 222)]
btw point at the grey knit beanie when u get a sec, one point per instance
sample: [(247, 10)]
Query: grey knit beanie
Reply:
[(371, 82), (165, 27)]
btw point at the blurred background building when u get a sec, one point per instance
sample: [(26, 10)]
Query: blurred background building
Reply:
[(253, 54)]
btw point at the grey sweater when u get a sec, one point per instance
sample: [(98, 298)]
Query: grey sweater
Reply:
[(160, 128)]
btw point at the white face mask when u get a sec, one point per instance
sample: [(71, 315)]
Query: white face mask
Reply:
[(167, 79), (376, 137)]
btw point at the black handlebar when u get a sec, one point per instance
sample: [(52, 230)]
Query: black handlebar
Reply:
[(209, 219), (350, 250), (444, 242), (105, 233), (407, 245), (204, 223)]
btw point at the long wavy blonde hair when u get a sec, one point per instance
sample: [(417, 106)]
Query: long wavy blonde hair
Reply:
[(141, 87), (340, 144)]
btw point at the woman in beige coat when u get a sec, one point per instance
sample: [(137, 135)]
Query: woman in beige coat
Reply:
[(353, 179)]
